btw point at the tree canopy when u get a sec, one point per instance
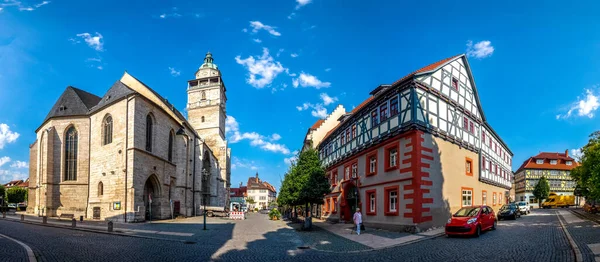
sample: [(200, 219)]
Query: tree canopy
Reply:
[(587, 174), (542, 189), (16, 194), (305, 181)]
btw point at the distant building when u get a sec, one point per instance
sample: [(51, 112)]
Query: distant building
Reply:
[(261, 192), (556, 167), (17, 183), (238, 194), (319, 130), (415, 151)]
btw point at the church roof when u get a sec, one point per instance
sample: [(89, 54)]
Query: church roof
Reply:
[(115, 93), (209, 62), (73, 102)]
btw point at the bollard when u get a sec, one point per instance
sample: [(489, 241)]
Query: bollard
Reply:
[(73, 221), (22, 218), (110, 226), (80, 218), (3, 214), (44, 220)]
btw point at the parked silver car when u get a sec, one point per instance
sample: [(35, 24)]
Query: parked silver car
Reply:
[(523, 207)]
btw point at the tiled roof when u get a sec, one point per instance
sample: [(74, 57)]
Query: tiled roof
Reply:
[(115, 93), (73, 102), (317, 124), (561, 164), (369, 99)]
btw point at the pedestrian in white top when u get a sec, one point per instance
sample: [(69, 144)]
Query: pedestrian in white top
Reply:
[(357, 220)]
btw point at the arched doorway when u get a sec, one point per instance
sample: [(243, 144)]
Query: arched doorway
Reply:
[(152, 198), (351, 199)]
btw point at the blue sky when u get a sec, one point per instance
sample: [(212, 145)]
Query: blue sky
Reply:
[(533, 64)]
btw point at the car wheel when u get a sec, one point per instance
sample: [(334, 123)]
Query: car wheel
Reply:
[(528, 212), (494, 225), (478, 231), (515, 217)]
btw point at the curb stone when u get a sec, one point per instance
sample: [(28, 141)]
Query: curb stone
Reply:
[(94, 231), (574, 247)]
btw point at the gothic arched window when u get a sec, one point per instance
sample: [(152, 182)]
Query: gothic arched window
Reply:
[(107, 130), (203, 95), (100, 189), (71, 140), (149, 133), (171, 146)]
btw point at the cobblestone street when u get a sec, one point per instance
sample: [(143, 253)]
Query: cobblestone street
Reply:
[(534, 237)]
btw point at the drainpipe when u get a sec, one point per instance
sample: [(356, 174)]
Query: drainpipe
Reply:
[(87, 206), (194, 176), (126, 152)]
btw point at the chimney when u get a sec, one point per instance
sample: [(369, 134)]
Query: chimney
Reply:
[(567, 153)]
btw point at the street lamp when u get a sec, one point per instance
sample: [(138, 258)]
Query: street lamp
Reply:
[(205, 176)]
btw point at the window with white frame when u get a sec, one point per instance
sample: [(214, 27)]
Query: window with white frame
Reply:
[(553, 162), (569, 163), (539, 161), (467, 197), (393, 157), (372, 164), (347, 173), (393, 200), (372, 202), (354, 170)]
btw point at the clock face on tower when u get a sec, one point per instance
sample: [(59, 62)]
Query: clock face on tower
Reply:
[(204, 73)]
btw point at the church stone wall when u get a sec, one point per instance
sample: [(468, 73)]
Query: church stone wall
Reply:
[(31, 194), (108, 164), (68, 197)]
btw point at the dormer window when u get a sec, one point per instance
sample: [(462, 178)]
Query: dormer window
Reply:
[(569, 163), (553, 162), (539, 161)]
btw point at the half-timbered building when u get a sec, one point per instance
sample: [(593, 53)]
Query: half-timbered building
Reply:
[(415, 151)]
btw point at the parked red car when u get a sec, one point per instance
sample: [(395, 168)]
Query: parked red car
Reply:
[(471, 221)]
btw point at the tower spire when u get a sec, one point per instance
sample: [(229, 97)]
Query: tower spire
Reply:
[(209, 62)]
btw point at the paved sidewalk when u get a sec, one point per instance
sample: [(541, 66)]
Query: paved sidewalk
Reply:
[(377, 239), (124, 228)]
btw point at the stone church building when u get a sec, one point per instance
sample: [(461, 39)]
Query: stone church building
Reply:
[(130, 155)]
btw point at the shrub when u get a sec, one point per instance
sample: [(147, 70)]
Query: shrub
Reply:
[(274, 214)]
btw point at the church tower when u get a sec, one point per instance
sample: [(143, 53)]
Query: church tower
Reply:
[(207, 113)]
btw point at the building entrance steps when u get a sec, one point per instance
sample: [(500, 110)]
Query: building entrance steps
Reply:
[(374, 238)]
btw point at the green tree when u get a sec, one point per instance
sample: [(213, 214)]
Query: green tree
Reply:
[(587, 174), (2, 193), (314, 183), (541, 190), (250, 201)]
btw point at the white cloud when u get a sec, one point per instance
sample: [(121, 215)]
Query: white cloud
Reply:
[(26, 8), (256, 139), (302, 3), (308, 80), (243, 163), (275, 137), (7, 136), (96, 42), (319, 111), (294, 55), (100, 67), (174, 72), (261, 70), (327, 99), (576, 153), (18, 164), (257, 40), (174, 14), (291, 16), (293, 158), (279, 52), (327, 69), (94, 59), (584, 107), (41, 4), (244, 30), (257, 25), (304, 106), (480, 50), (4, 160)]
